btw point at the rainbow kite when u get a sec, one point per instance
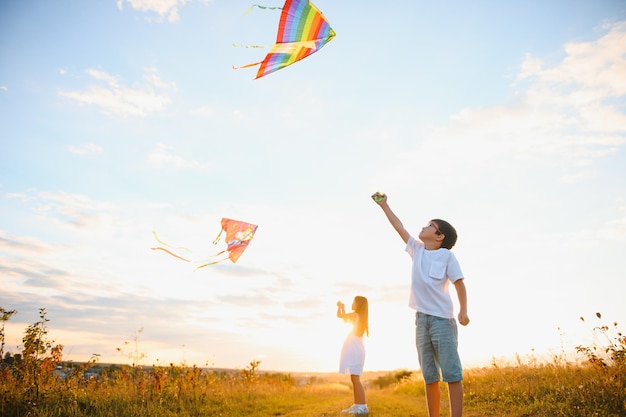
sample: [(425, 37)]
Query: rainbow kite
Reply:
[(302, 31), (238, 236)]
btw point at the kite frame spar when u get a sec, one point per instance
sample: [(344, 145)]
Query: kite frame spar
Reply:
[(302, 31)]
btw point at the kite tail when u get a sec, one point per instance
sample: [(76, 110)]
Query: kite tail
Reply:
[(254, 46), (165, 244), (238, 45), (209, 258), (211, 263), (248, 65), (171, 253), (217, 239), (207, 262), (262, 7)]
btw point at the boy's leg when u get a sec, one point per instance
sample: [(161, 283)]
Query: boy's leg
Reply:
[(428, 361), (432, 399), (446, 336), (455, 390)]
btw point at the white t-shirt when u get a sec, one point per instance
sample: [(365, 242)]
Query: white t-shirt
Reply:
[(432, 272)]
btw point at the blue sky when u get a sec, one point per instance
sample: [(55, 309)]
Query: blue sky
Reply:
[(118, 118)]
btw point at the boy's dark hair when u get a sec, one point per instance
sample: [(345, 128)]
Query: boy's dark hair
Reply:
[(448, 232)]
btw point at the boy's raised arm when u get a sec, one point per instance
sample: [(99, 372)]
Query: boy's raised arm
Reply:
[(381, 200)]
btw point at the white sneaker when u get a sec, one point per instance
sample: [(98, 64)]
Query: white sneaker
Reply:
[(356, 409)]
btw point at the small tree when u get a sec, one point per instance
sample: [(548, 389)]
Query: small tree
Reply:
[(39, 356), (4, 317), (250, 373)]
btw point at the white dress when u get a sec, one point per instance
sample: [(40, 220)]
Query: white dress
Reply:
[(352, 356)]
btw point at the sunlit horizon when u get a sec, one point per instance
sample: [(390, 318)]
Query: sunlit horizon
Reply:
[(386, 351)]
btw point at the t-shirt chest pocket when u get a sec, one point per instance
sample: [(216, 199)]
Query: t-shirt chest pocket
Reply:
[(437, 270)]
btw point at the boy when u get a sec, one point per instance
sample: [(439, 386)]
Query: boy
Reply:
[(434, 267)]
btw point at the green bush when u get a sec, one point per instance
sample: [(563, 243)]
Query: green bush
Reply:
[(391, 378)]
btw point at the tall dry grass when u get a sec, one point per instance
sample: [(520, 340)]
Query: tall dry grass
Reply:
[(36, 382)]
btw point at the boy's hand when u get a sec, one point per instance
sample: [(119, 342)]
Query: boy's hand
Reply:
[(379, 197), (464, 319), (340, 304)]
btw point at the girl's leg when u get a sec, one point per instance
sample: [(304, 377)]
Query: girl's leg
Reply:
[(357, 387)]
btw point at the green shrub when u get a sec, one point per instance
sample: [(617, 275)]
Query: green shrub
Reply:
[(391, 378)]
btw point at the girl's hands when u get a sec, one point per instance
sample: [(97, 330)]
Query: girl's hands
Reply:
[(341, 310)]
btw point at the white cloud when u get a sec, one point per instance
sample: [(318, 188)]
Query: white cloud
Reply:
[(164, 8), (20, 196), (564, 119), (608, 232), (65, 208), (530, 66), (86, 148), (166, 156), (238, 116), (595, 70), (615, 228), (73, 209), (152, 76), (25, 244), (115, 99), (203, 111)]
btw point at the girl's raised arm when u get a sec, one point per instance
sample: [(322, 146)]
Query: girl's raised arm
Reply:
[(341, 312)]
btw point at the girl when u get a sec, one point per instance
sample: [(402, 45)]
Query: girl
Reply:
[(353, 351)]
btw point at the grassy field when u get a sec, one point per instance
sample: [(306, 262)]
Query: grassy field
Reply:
[(37, 382), (540, 390)]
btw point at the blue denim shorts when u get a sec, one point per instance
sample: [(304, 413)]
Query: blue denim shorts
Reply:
[(437, 342)]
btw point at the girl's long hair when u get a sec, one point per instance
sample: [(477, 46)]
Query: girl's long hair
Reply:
[(361, 308)]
